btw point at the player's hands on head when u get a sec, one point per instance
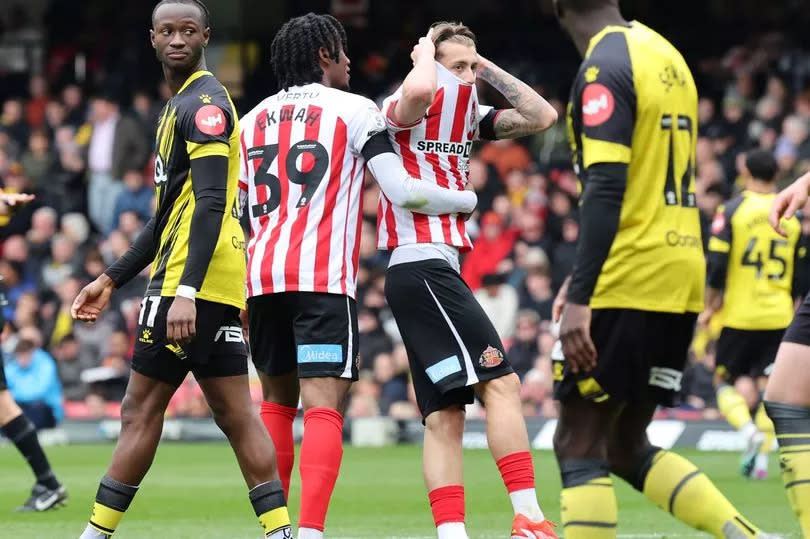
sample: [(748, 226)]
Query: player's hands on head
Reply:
[(181, 321), (788, 202), (92, 299), (424, 49), (575, 334)]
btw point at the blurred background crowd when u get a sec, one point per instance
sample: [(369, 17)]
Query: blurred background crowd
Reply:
[(79, 99)]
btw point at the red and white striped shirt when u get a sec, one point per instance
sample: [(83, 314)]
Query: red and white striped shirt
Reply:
[(435, 149), (302, 170)]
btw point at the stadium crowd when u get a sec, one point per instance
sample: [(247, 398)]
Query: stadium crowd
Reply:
[(87, 159)]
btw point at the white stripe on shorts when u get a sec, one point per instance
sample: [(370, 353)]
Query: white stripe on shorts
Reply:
[(472, 378)]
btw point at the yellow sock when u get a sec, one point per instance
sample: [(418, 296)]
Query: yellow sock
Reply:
[(733, 406), (105, 519), (112, 501), (765, 426), (275, 521), (589, 511), (792, 425), (677, 486)]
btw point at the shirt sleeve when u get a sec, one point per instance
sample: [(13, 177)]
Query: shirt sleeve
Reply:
[(719, 247), (206, 122), (604, 93), (366, 122), (486, 122), (388, 110)]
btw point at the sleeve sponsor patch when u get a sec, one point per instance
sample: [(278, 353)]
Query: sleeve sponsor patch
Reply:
[(210, 120), (597, 104), (718, 223)]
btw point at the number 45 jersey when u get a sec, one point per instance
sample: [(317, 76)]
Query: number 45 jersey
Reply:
[(634, 101), (302, 172), (753, 264)]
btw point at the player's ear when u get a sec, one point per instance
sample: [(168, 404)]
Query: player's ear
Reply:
[(206, 36), (324, 58), (152, 38)]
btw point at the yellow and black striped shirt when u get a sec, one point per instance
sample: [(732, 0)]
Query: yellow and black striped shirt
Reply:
[(199, 121)]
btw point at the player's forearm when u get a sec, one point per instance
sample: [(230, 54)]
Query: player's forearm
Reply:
[(531, 114), (418, 91), (601, 211), (140, 254), (717, 269), (417, 195), (209, 179)]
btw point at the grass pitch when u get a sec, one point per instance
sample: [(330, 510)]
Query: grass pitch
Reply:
[(196, 491)]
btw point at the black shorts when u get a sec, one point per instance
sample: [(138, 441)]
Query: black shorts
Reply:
[(218, 349), (451, 342), (313, 331), (640, 358), (799, 329), (743, 352)]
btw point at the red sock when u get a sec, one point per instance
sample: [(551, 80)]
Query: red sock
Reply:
[(447, 504), (278, 420), (321, 453), (517, 471)]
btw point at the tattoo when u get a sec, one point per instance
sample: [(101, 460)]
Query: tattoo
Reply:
[(527, 116)]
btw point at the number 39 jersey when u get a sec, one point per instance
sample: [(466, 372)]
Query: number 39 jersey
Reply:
[(302, 171), (634, 101), (753, 263)]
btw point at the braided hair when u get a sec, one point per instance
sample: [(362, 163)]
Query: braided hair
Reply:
[(294, 52), (205, 15)]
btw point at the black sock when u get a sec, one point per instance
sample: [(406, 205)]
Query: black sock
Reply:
[(23, 434)]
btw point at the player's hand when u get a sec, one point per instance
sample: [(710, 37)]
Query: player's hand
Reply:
[(788, 202), (483, 64), (575, 334), (12, 201), (92, 299), (559, 301), (424, 49), (181, 321)]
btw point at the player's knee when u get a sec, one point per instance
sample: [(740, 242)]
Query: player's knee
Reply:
[(631, 459), (499, 389), (571, 442), (134, 415), (8, 408), (446, 424)]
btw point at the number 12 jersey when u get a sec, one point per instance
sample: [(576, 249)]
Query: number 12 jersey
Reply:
[(634, 102), (302, 174)]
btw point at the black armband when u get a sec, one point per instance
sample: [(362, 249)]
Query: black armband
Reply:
[(377, 144), (486, 127)]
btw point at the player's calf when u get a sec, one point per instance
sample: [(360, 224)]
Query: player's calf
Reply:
[(792, 424)]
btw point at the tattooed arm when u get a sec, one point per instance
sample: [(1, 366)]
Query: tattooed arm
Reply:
[(531, 114)]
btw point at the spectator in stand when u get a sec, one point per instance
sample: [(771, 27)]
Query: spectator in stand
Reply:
[(13, 122), (38, 162), (564, 253), (536, 293), (492, 246), (34, 381), (20, 221), (373, 340), (116, 144), (393, 384), (147, 113), (15, 249), (130, 224), (61, 263), (69, 171), (505, 155), (10, 273), (136, 197), (66, 354), (550, 147), (109, 379), (54, 117), (524, 350), (37, 102), (75, 110), (500, 302), (44, 224)]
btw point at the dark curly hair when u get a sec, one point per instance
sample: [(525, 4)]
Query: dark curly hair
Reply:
[(205, 15), (294, 52)]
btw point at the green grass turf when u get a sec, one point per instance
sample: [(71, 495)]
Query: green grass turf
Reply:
[(196, 491)]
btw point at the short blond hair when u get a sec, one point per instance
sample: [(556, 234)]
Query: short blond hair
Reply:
[(455, 32)]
